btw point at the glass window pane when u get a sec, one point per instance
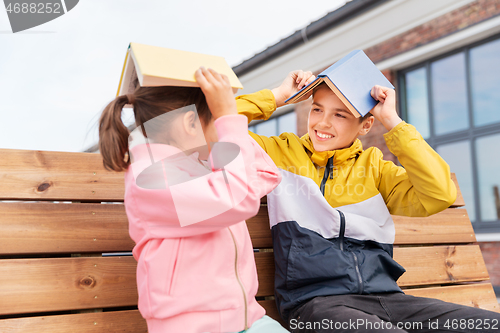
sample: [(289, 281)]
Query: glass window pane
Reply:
[(449, 94), (458, 157), (417, 104), (267, 128), (287, 123), (485, 82), (488, 165)]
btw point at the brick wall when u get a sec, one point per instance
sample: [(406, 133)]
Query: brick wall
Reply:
[(491, 255), (439, 27)]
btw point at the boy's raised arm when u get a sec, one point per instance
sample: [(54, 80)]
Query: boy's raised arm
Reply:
[(424, 186), (262, 104), (259, 105), (256, 106)]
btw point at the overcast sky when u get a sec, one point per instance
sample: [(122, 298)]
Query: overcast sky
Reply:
[(56, 78)]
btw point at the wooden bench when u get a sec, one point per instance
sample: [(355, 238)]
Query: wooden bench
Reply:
[(58, 225)]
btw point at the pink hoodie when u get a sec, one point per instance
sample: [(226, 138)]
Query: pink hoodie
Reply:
[(196, 269)]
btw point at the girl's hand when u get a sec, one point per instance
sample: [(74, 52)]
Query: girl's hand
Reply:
[(218, 92), (294, 81), (385, 110)]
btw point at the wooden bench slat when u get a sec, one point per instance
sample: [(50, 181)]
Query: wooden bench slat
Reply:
[(129, 321), (440, 264), (459, 202), (478, 295), (43, 285), (71, 228), (265, 273), (45, 227), (58, 176), (424, 266), (260, 232), (449, 226)]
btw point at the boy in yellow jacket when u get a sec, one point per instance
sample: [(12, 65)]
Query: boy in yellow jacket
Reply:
[(331, 214)]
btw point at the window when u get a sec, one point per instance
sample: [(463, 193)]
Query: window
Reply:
[(454, 102), (276, 125)]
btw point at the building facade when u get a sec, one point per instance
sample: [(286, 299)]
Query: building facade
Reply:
[(443, 57)]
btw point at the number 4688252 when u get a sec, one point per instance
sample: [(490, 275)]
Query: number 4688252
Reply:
[(34, 8)]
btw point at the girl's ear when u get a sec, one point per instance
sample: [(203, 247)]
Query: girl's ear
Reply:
[(189, 123), (367, 125)]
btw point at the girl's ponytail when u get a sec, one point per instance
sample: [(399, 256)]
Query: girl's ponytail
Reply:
[(148, 103), (113, 135)]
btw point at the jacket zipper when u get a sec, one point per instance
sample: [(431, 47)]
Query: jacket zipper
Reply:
[(342, 230), (238, 278), (355, 257), (326, 175), (360, 280)]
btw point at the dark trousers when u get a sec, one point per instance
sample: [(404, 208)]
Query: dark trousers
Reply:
[(393, 312)]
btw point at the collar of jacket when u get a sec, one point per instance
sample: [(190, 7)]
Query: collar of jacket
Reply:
[(340, 156)]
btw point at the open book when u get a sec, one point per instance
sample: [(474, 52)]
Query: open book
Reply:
[(351, 79), (151, 66)]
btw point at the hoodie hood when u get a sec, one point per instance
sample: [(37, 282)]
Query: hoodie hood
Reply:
[(340, 156)]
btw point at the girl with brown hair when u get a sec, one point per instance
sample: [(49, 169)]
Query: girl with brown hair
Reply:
[(196, 270)]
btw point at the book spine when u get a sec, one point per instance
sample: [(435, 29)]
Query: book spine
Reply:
[(123, 72)]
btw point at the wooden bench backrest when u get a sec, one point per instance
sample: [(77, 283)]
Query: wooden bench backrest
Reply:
[(53, 276), (56, 274)]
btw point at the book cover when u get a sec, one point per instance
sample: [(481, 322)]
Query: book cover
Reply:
[(155, 66), (351, 79)]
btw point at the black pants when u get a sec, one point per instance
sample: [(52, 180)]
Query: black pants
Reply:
[(393, 312)]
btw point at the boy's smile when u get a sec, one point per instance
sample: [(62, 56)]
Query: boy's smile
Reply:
[(323, 136), (331, 126)]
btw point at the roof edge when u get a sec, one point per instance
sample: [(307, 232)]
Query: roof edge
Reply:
[(348, 11)]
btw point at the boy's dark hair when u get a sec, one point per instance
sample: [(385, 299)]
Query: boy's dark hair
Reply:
[(366, 116), (148, 103), (323, 84)]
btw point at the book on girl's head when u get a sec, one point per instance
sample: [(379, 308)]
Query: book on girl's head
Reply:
[(151, 66), (351, 79)]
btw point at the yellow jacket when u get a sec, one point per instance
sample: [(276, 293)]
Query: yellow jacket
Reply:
[(423, 187)]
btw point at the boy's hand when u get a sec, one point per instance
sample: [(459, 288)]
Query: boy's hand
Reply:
[(294, 81), (218, 92), (385, 110)]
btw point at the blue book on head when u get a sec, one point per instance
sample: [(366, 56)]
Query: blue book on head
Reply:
[(351, 79)]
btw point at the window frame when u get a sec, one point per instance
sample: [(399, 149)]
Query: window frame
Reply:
[(470, 134), (274, 116)]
